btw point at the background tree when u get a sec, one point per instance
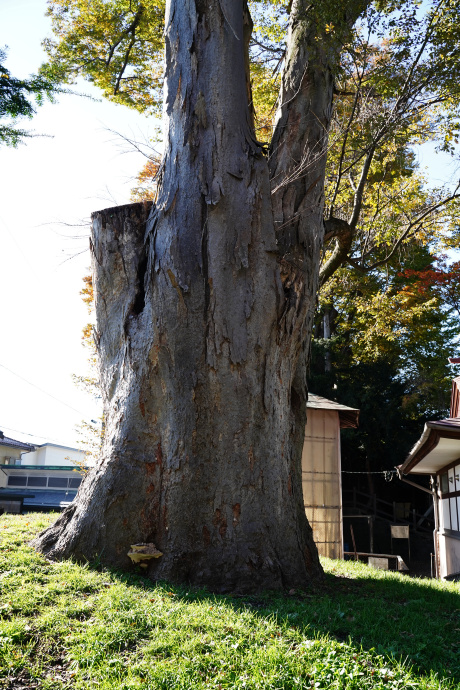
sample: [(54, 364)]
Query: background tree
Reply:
[(389, 336), (118, 45), (91, 433), (393, 95), (16, 104)]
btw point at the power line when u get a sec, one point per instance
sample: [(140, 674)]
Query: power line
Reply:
[(377, 472), (25, 433), (50, 395)]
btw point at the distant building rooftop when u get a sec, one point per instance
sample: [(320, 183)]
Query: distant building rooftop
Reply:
[(348, 416), (12, 443)]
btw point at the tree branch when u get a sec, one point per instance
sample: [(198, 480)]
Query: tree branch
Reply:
[(342, 231), (131, 29)]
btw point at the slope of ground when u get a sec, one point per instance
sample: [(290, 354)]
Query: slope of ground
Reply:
[(65, 625)]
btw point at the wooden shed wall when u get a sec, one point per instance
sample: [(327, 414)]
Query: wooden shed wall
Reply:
[(321, 481)]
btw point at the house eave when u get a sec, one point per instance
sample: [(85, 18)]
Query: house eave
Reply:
[(438, 446)]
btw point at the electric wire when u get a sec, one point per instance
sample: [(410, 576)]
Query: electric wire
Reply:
[(50, 395), (26, 433)]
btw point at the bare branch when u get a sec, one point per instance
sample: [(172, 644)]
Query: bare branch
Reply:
[(344, 147)]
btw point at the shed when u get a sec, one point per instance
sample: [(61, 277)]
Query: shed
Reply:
[(437, 453), (321, 471)]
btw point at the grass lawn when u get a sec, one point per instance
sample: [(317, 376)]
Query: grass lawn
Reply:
[(64, 625)]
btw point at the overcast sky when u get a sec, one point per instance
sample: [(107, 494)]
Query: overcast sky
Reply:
[(47, 186)]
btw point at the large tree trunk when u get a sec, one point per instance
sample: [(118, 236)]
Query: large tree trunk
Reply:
[(202, 325)]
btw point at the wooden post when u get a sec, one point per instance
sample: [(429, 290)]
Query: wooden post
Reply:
[(354, 543)]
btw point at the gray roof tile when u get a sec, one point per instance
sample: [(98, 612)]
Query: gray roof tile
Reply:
[(12, 443)]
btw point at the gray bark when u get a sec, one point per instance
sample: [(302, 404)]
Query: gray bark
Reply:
[(201, 332)]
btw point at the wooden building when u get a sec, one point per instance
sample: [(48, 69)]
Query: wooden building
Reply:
[(321, 471), (437, 453)]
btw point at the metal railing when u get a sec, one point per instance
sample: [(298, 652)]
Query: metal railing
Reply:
[(370, 504)]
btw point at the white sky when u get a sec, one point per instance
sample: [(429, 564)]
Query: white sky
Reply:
[(45, 184)]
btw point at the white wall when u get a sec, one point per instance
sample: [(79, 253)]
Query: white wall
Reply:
[(449, 546), (449, 555), (51, 454)]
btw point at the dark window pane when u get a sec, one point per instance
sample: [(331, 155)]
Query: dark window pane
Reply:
[(444, 483), (16, 480), (74, 483), (36, 481), (57, 482)]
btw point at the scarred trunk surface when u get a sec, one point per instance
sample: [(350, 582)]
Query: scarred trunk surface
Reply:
[(201, 327)]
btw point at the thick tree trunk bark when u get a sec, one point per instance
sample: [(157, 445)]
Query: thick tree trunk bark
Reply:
[(201, 333)]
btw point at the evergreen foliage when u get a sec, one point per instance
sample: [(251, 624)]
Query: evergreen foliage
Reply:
[(17, 98)]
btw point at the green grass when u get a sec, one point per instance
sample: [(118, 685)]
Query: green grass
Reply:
[(64, 625)]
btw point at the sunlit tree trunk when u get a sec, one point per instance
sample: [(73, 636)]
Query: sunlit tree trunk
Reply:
[(204, 304)]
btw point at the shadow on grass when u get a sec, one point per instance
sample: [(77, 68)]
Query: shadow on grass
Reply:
[(403, 619)]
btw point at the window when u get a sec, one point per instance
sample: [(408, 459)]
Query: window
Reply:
[(17, 480), (450, 499), (444, 483), (57, 482), (74, 483), (36, 481)]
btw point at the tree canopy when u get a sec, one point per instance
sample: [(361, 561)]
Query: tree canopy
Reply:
[(396, 87), (16, 103)]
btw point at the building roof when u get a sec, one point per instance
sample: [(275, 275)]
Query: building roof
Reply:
[(12, 443), (41, 468), (348, 416), (59, 445), (438, 446)]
